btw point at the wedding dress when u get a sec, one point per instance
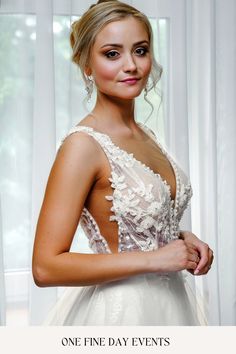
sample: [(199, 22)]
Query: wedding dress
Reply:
[(147, 219)]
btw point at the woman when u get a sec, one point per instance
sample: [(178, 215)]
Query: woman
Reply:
[(113, 176)]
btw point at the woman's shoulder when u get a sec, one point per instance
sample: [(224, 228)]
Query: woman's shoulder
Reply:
[(78, 136), (77, 146), (78, 156)]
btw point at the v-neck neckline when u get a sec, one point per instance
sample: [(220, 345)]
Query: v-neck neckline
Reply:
[(131, 155)]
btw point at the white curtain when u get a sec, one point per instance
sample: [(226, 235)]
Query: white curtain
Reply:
[(2, 282), (44, 135), (212, 111), (42, 98)]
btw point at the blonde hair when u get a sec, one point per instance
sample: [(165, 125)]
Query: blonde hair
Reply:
[(85, 30)]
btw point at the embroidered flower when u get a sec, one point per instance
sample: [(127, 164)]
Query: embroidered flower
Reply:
[(117, 182), (145, 191), (154, 208), (147, 223)]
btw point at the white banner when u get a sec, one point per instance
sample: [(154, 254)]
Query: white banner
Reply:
[(176, 340)]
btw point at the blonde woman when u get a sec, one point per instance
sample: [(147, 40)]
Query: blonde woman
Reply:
[(112, 175)]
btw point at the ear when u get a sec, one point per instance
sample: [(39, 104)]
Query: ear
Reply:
[(87, 71)]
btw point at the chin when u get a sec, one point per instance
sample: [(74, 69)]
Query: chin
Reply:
[(126, 95), (130, 97), (129, 93)]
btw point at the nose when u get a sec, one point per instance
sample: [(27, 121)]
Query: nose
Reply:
[(129, 63)]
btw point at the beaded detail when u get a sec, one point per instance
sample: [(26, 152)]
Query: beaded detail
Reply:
[(141, 202)]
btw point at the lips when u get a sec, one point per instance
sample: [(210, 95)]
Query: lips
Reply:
[(130, 80)]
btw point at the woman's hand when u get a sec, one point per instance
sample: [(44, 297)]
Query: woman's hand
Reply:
[(176, 256), (205, 253)]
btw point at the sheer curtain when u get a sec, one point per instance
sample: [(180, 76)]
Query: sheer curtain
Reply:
[(41, 98), (211, 116)]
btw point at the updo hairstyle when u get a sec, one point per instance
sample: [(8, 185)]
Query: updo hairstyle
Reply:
[(85, 30)]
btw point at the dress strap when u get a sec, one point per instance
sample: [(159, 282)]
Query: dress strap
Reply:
[(102, 139)]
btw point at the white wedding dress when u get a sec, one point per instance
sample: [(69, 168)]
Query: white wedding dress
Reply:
[(148, 219)]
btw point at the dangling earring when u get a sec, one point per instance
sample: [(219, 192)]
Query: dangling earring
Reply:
[(89, 87)]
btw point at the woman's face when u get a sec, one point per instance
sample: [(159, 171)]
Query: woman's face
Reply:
[(120, 59)]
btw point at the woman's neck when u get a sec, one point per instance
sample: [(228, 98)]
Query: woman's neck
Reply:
[(113, 114)]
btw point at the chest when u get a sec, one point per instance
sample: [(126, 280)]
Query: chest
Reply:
[(131, 190), (150, 155)]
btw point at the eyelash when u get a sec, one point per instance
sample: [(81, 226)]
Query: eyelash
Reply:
[(144, 49)]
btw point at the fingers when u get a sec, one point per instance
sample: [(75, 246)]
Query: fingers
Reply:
[(196, 258), (191, 266), (204, 258), (207, 267), (193, 258), (200, 256), (193, 254), (191, 247), (204, 254)]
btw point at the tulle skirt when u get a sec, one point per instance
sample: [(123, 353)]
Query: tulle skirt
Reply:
[(143, 300)]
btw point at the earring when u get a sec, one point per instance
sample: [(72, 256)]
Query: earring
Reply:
[(89, 87)]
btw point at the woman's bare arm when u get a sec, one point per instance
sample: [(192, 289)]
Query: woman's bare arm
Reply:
[(76, 168)]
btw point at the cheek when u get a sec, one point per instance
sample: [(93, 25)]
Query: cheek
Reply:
[(147, 66), (105, 70)]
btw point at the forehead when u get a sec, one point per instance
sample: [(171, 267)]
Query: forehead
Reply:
[(125, 30)]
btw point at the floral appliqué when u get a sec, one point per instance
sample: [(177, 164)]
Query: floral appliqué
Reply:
[(141, 202)]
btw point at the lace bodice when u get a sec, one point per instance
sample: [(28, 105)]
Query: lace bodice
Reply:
[(141, 201)]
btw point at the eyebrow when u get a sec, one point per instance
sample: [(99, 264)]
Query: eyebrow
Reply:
[(120, 45)]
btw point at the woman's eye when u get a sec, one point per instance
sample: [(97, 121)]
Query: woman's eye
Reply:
[(112, 54), (141, 51)]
